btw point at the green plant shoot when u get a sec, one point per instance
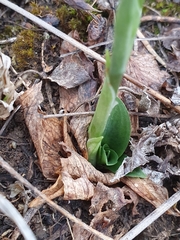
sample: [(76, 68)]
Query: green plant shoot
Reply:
[(109, 131)]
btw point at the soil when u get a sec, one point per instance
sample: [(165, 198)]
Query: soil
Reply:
[(17, 149)]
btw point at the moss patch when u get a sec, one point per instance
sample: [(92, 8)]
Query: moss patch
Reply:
[(26, 50)]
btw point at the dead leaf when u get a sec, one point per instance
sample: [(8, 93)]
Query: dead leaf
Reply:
[(173, 45), (142, 153), (77, 100), (15, 189), (81, 233), (105, 205), (77, 166), (96, 30), (150, 191), (45, 133), (73, 168), (72, 71), (145, 69), (108, 199), (8, 95), (79, 188), (66, 47), (56, 190)]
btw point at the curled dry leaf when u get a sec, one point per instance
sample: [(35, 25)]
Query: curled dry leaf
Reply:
[(140, 152), (78, 172), (78, 166), (103, 194), (54, 191), (77, 100), (80, 188), (105, 205), (8, 95), (150, 191), (66, 47), (45, 133), (96, 30)]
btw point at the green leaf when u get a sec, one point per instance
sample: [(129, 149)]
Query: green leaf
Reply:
[(106, 156), (118, 128), (93, 145), (109, 131), (137, 172), (127, 20)]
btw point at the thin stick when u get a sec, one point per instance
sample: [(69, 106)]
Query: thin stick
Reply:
[(68, 114), (150, 49), (52, 29), (16, 175), (160, 19), (9, 119), (154, 93), (152, 217)]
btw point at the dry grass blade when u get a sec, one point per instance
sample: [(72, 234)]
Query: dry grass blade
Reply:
[(10, 211)]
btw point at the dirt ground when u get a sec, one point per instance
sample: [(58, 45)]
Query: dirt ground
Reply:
[(17, 148)]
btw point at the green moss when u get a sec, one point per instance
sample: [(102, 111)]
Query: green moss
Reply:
[(74, 24), (9, 31), (26, 48), (71, 19), (164, 7), (39, 10)]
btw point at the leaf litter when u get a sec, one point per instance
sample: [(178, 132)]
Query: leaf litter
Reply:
[(61, 143)]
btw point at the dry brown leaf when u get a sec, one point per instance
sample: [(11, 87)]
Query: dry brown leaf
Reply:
[(66, 47), (102, 196), (45, 133), (78, 166), (105, 205), (150, 191), (103, 222), (145, 69), (77, 100), (96, 30), (8, 95), (79, 188), (56, 190), (80, 232), (73, 71), (140, 154), (75, 179)]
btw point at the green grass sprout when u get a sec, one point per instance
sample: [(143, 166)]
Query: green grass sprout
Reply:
[(109, 131)]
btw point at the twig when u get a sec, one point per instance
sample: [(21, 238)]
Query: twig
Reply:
[(160, 19), (150, 49), (16, 175), (9, 119), (9, 40), (52, 29), (68, 114), (154, 93), (152, 217)]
